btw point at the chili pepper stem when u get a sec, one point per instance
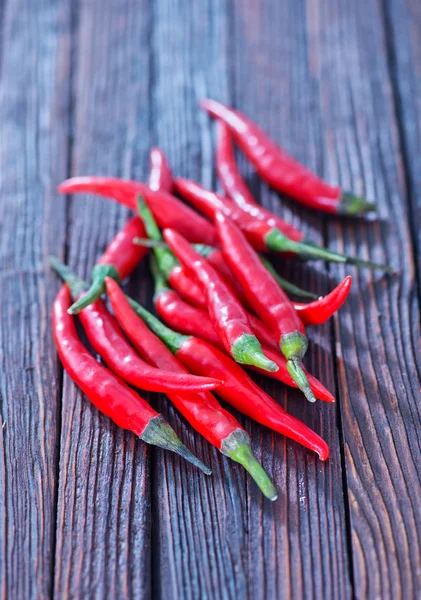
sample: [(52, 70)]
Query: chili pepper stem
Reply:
[(277, 241), (294, 346), (159, 433), (173, 340), (97, 288), (237, 447), (75, 283), (287, 285), (350, 204), (358, 262), (164, 256), (247, 350)]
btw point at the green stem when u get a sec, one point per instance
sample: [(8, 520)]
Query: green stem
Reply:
[(350, 204), (158, 433), (97, 288), (160, 283), (164, 256), (358, 262), (171, 339), (285, 284), (237, 447), (247, 350), (294, 346), (75, 283)]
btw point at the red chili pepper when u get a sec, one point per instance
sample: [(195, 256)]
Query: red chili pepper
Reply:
[(190, 320), (201, 410), (238, 390), (313, 313), (227, 314), (120, 258), (268, 300), (282, 171), (262, 233), (236, 189), (321, 310), (167, 210), (106, 392), (160, 177), (107, 339)]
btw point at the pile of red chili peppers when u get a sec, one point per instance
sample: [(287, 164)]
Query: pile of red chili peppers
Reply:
[(226, 309)]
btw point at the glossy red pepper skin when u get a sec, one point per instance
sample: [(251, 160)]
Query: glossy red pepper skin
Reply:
[(106, 392), (107, 339), (190, 320), (319, 311), (228, 316), (201, 410), (160, 177), (167, 210), (121, 252), (236, 189), (280, 170), (246, 396), (267, 298), (210, 202)]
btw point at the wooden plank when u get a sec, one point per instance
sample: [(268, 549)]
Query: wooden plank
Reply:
[(350, 103), (402, 22), (298, 549), (199, 537), (103, 523), (247, 546), (34, 95)]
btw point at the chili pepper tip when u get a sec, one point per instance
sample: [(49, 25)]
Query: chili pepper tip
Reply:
[(247, 350), (237, 447), (159, 433), (350, 204), (297, 373)]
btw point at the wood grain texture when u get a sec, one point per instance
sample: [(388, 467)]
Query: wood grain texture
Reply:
[(403, 29), (103, 514), (33, 155), (88, 87), (377, 334), (213, 52), (307, 533)]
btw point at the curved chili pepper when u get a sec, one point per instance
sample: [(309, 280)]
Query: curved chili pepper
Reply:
[(227, 314), (321, 310), (120, 258), (190, 320), (106, 392), (235, 187), (160, 177), (201, 410), (166, 209), (238, 390), (267, 298), (282, 171), (107, 339), (262, 234)]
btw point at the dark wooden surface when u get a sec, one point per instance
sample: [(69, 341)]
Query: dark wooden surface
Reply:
[(88, 87)]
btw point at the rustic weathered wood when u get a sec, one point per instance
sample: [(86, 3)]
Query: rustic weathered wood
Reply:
[(209, 52), (377, 334), (33, 156), (403, 30), (103, 513), (88, 87)]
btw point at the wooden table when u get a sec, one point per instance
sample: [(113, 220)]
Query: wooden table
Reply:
[(89, 86)]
